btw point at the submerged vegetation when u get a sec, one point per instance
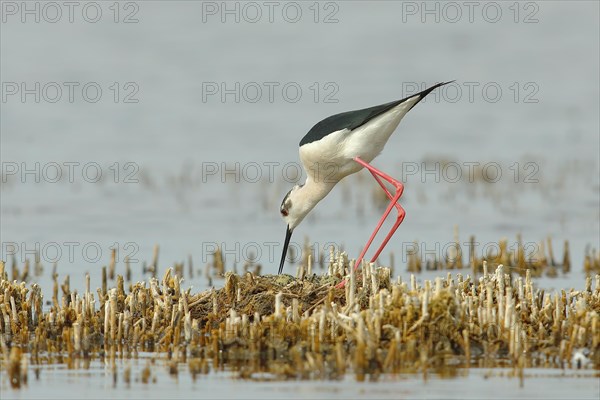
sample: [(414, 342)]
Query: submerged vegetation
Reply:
[(308, 327)]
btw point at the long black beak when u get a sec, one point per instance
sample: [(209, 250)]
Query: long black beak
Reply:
[(288, 236)]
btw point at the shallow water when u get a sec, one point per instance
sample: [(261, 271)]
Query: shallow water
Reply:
[(98, 383), (168, 161)]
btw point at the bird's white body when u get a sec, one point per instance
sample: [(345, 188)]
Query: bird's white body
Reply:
[(330, 159)]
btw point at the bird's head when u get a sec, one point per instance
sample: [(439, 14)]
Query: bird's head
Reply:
[(293, 210), (296, 205)]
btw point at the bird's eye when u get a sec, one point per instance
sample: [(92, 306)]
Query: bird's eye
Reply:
[(284, 212)]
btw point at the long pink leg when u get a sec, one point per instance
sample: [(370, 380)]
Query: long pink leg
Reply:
[(393, 203), (399, 219)]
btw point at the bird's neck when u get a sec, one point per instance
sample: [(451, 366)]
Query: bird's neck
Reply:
[(315, 191)]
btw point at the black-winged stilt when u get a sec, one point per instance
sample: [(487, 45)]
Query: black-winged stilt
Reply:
[(341, 145)]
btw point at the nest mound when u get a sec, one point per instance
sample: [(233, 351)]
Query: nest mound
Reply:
[(255, 295)]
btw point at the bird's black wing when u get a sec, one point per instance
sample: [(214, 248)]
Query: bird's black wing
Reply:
[(353, 119)]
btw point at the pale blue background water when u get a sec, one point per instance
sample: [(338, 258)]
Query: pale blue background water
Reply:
[(176, 134), (371, 55)]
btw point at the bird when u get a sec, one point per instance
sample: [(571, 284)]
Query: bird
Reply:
[(341, 145)]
